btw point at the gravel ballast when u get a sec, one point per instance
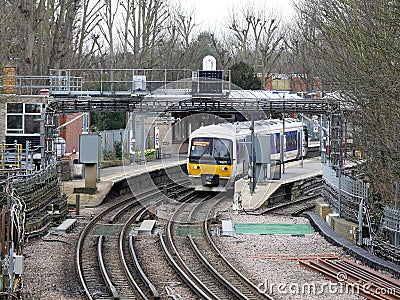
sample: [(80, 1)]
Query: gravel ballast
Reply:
[(50, 271), (283, 277)]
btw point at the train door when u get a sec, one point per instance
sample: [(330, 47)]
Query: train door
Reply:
[(304, 144), (242, 165)]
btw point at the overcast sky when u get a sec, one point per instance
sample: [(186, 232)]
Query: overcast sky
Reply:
[(209, 12)]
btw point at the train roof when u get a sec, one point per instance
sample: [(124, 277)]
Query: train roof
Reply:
[(243, 128)]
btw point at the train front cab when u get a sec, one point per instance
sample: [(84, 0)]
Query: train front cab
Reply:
[(210, 163)]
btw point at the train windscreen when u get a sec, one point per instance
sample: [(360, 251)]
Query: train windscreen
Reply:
[(218, 150)]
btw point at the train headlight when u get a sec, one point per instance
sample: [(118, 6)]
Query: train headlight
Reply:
[(224, 168), (196, 167)]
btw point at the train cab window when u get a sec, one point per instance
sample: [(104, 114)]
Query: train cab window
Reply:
[(219, 150), (200, 147), (222, 149)]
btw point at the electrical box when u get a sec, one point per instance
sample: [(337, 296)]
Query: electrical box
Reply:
[(139, 83), (18, 264), (89, 148)]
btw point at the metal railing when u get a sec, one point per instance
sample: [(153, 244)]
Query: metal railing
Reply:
[(10, 156), (391, 219), (391, 223), (351, 191), (118, 82)]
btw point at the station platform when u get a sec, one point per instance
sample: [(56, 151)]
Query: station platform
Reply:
[(110, 176), (293, 172)]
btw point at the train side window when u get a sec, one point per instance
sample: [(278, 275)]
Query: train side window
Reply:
[(277, 139)]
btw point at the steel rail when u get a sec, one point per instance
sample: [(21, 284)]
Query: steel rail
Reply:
[(214, 272), (132, 281), (199, 288), (84, 234), (122, 210), (181, 273), (80, 242), (103, 270), (236, 271), (364, 282), (287, 204), (139, 269)]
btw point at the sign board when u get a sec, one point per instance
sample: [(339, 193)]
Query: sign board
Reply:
[(156, 138), (131, 143), (262, 148), (315, 126), (89, 148)]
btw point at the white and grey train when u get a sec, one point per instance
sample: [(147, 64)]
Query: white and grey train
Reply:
[(217, 154)]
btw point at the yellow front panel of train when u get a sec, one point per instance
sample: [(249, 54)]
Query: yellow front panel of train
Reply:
[(198, 169)]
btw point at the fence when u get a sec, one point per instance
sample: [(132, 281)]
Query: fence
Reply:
[(110, 137), (351, 191), (25, 202), (391, 222)]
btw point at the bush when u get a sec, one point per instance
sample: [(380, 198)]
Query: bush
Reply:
[(109, 154), (118, 149), (147, 152)]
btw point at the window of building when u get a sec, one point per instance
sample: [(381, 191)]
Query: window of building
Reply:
[(23, 118)]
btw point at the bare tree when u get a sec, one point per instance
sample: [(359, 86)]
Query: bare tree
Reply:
[(270, 46), (240, 27), (63, 33), (258, 36), (223, 49), (356, 46), (185, 24), (143, 26), (108, 16), (86, 37)]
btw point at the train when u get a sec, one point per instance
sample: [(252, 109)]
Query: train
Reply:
[(218, 156)]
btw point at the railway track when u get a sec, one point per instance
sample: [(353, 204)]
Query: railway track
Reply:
[(104, 277), (106, 259), (189, 248), (357, 278)]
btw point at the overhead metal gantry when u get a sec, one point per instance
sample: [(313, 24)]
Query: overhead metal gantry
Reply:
[(153, 90), (195, 103)]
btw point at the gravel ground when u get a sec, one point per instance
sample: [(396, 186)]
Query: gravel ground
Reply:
[(285, 279), (49, 272), (50, 261)]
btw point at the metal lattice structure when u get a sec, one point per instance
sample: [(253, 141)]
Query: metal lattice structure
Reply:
[(188, 103), (352, 192), (391, 222)]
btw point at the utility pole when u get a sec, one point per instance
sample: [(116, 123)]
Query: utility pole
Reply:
[(301, 143), (283, 145), (253, 163), (132, 137)]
